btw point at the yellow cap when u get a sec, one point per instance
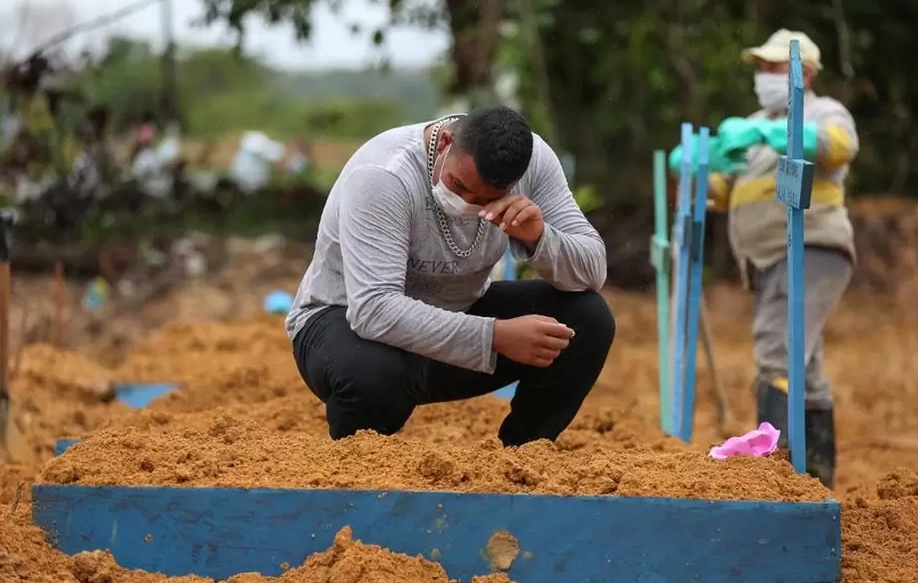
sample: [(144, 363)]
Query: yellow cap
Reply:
[(777, 49)]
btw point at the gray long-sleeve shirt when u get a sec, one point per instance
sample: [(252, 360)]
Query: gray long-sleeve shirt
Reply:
[(381, 254)]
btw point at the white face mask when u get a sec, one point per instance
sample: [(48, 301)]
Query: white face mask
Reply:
[(451, 203), (771, 89)]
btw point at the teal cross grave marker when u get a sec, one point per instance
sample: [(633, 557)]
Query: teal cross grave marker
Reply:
[(661, 260), (794, 187)]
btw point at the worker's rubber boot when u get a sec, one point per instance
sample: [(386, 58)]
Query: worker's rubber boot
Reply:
[(771, 403), (820, 445), (819, 430)]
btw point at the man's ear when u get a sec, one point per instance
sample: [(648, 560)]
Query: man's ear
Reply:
[(446, 138)]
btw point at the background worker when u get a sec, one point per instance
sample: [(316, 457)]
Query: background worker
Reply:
[(757, 230), (397, 309)]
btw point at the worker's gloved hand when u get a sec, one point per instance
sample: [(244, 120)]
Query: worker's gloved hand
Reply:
[(775, 132), (738, 134), (717, 162), (732, 163)]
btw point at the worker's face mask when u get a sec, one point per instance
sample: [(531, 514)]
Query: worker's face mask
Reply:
[(451, 203), (771, 89)]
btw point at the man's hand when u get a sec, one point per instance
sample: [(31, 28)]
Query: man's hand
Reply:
[(518, 216), (534, 340)]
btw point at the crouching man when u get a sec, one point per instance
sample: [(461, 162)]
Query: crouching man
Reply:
[(397, 309)]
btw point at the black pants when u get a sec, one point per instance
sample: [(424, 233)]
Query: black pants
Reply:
[(370, 385)]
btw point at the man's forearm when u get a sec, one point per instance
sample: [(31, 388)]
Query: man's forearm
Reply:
[(568, 262), (452, 337)]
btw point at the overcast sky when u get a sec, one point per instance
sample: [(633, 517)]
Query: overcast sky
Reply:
[(332, 44)]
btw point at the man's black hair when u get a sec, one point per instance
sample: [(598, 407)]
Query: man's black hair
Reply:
[(499, 141)]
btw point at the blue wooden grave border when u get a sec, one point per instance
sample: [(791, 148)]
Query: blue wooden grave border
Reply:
[(218, 532), (139, 395), (794, 188), (62, 445), (681, 239), (694, 228)]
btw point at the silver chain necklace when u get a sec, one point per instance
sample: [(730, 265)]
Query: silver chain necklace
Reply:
[(442, 219)]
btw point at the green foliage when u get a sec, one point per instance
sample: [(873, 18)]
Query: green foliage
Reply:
[(617, 82), (128, 80), (623, 78), (587, 198), (224, 92), (613, 106)]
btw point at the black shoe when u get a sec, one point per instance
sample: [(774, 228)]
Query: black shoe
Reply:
[(819, 431), (772, 407), (820, 446)]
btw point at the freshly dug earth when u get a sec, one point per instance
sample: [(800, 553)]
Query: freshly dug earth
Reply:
[(57, 393), (464, 421), (241, 386), (880, 531), (234, 453), (220, 364), (15, 482)]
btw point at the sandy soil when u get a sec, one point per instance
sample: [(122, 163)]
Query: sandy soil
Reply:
[(243, 410)]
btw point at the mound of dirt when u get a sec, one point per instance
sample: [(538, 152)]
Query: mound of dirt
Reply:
[(238, 453), (350, 560), (25, 557), (14, 483), (460, 422), (247, 367), (880, 531), (58, 393), (217, 364), (64, 372)]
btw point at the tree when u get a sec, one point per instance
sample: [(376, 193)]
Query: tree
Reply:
[(473, 26), (618, 79)]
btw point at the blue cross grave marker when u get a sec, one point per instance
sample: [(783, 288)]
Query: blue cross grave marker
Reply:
[(688, 264), (794, 186), (680, 247), (694, 239)]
